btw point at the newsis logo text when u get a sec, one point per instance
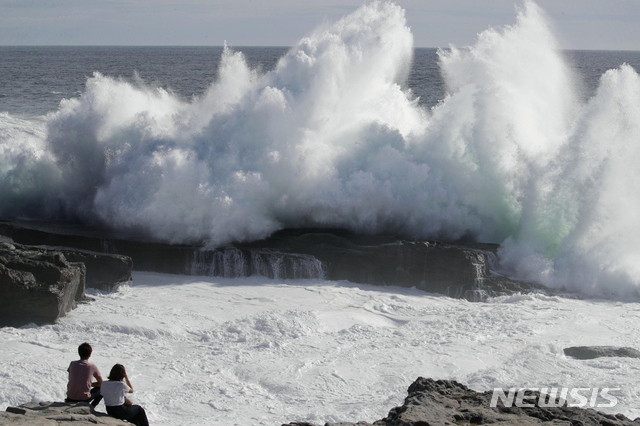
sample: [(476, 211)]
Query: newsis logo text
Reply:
[(555, 397)]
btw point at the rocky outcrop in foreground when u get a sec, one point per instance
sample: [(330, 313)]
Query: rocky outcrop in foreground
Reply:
[(445, 402), (56, 414), (39, 284)]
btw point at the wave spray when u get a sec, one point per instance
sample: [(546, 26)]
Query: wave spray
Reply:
[(333, 138)]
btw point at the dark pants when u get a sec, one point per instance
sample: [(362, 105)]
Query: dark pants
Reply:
[(132, 413), (94, 400)]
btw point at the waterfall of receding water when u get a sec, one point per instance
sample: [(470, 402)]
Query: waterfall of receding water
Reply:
[(478, 263), (231, 262)]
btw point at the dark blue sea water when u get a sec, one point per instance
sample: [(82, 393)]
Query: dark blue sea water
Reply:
[(33, 80)]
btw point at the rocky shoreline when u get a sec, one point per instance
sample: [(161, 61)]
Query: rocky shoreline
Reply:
[(429, 403), (458, 270), (38, 284), (56, 414)]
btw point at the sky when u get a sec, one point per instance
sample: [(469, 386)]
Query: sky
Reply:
[(579, 24)]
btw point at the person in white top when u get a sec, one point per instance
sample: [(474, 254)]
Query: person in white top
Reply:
[(118, 406)]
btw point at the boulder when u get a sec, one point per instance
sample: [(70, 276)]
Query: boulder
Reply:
[(56, 414), (447, 402), (37, 287), (591, 352)]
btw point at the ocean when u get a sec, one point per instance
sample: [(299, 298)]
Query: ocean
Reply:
[(39, 84), (511, 141), (34, 79)]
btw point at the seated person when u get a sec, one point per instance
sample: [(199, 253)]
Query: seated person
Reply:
[(118, 406), (81, 387)]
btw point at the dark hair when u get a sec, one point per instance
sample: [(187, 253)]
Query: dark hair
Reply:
[(117, 373), (84, 350)]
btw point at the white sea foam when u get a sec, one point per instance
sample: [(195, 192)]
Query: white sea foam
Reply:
[(215, 351), (332, 138)]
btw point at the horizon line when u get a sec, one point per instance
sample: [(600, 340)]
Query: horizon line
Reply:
[(262, 46)]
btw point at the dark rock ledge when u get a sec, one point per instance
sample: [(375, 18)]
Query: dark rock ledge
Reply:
[(459, 270), (39, 284), (444, 402), (56, 414)]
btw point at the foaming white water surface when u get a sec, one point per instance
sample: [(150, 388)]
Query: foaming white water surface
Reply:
[(207, 351), (332, 138)]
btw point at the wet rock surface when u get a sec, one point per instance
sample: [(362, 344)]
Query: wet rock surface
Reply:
[(39, 284), (105, 272), (457, 270), (36, 286), (591, 352), (55, 414), (444, 402)]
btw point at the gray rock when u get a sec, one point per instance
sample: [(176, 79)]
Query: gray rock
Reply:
[(458, 270), (56, 414), (37, 287), (444, 402), (299, 424), (104, 271), (33, 278), (591, 352), (349, 424)]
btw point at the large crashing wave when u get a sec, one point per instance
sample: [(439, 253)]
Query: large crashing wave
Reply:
[(332, 138)]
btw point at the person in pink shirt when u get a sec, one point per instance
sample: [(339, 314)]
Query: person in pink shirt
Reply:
[(81, 387)]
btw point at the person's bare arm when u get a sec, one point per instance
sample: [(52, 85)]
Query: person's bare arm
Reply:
[(97, 383), (127, 401), (126, 379)]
